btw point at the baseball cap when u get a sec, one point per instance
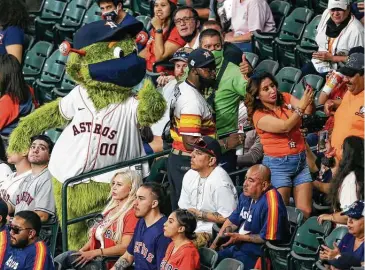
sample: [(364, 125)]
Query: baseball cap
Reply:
[(345, 261), (181, 54), (354, 64), (209, 146), (342, 4), (201, 58), (356, 210)]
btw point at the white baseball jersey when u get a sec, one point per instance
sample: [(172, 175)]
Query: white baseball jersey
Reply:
[(216, 193), (11, 184), (95, 139)]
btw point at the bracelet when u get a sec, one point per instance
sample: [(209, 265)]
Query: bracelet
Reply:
[(225, 143), (297, 110), (101, 251)]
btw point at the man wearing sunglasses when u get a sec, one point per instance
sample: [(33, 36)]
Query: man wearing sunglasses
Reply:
[(4, 234), (27, 251), (35, 191), (191, 117), (207, 191)]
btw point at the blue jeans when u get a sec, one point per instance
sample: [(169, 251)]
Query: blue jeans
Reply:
[(235, 253), (288, 171)]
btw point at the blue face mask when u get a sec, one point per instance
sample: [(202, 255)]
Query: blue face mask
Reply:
[(125, 71), (111, 16)]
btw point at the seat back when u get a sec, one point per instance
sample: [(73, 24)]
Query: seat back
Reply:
[(287, 78), (48, 234), (267, 65), (92, 14), (35, 58), (53, 134), (280, 10), (252, 58), (141, 7), (315, 81), (336, 236), (305, 242), (74, 14), (208, 258), (309, 36), (295, 218), (53, 9), (54, 68), (230, 264), (146, 20)]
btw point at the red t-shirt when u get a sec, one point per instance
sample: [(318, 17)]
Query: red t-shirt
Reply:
[(185, 258), (174, 37), (277, 144)]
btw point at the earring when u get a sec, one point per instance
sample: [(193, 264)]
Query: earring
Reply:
[(257, 98)]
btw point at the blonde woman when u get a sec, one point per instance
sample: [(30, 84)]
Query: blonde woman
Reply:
[(110, 236)]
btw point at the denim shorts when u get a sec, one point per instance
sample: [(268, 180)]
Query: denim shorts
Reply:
[(288, 171)]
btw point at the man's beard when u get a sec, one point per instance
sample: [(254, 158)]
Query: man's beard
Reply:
[(190, 37), (206, 83), (22, 243)]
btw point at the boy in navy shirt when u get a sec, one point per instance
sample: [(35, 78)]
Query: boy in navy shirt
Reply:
[(27, 252), (4, 234), (148, 245), (260, 215)]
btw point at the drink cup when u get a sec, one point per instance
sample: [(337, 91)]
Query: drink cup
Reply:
[(332, 82)]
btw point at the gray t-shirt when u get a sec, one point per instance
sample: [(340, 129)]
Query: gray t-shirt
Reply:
[(35, 193)]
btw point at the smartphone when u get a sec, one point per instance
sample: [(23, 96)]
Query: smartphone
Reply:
[(321, 242), (322, 138)]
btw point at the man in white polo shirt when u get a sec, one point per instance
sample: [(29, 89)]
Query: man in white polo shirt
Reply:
[(207, 191)]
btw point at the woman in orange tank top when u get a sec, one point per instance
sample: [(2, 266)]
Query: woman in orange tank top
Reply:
[(277, 120)]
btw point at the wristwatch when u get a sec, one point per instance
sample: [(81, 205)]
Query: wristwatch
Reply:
[(159, 31)]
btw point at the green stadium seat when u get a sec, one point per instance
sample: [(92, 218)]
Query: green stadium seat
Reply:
[(208, 258), (267, 65), (313, 80), (287, 78), (29, 41), (93, 14), (290, 35), (129, 11), (52, 13), (252, 58), (321, 6), (304, 251), (53, 134), (48, 234), (308, 44), (304, 3), (142, 7), (230, 264), (146, 20), (264, 42), (71, 21), (66, 86), (34, 60)]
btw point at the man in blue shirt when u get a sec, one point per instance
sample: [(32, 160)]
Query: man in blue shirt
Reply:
[(148, 245), (260, 216), (27, 252), (4, 234)]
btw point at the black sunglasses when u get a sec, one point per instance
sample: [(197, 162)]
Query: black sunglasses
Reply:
[(17, 230)]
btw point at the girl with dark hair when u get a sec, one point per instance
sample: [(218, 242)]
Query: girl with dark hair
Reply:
[(181, 254), (13, 20), (16, 98), (347, 185), (277, 120), (164, 38)]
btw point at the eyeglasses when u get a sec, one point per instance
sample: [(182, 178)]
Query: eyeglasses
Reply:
[(17, 230), (201, 145), (183, 20)]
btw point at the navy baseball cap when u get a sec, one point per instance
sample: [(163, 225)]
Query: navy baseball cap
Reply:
[(356, 210), (345, 261), (209, 146), (354, 64), (181, 54), (105, 31), (201, 58)]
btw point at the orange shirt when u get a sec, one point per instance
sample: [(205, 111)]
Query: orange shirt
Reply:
[(349, 120), (174, 37), (185, 258), (277, 144)]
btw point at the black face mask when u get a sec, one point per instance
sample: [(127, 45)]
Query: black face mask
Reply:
[(190, 37)]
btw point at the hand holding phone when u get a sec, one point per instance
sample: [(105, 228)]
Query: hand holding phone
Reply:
[(321, 242)]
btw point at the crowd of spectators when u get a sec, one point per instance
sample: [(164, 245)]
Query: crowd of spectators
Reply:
[(213, 94)]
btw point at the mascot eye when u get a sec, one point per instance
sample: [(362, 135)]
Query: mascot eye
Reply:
[(118, 52)]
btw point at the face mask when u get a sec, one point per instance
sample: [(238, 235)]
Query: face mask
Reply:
[(111, 16), (126, 71), (218, 56)]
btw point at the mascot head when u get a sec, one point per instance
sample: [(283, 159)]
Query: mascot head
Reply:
[(105, 57)]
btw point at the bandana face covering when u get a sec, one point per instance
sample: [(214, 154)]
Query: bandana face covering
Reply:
[(127, 71)]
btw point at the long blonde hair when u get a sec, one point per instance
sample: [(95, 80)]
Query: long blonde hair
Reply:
[(135, 181)]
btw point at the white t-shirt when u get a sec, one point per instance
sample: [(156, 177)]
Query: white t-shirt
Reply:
[(5, 171), (196, 43), (95, 138), (11, 184), (348, 191), (216, 193), (351, 36), (168, 94)]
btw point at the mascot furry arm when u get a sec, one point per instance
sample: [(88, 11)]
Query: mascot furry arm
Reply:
[(106, 66)]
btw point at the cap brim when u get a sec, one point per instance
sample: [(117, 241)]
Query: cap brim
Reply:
[(202, 149), (350, 72), (172, 60)]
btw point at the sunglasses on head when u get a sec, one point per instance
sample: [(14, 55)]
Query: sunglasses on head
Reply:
[(17, 230), (201, 145)]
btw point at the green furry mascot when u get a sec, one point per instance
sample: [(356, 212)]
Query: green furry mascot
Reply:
[(101, 117)]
